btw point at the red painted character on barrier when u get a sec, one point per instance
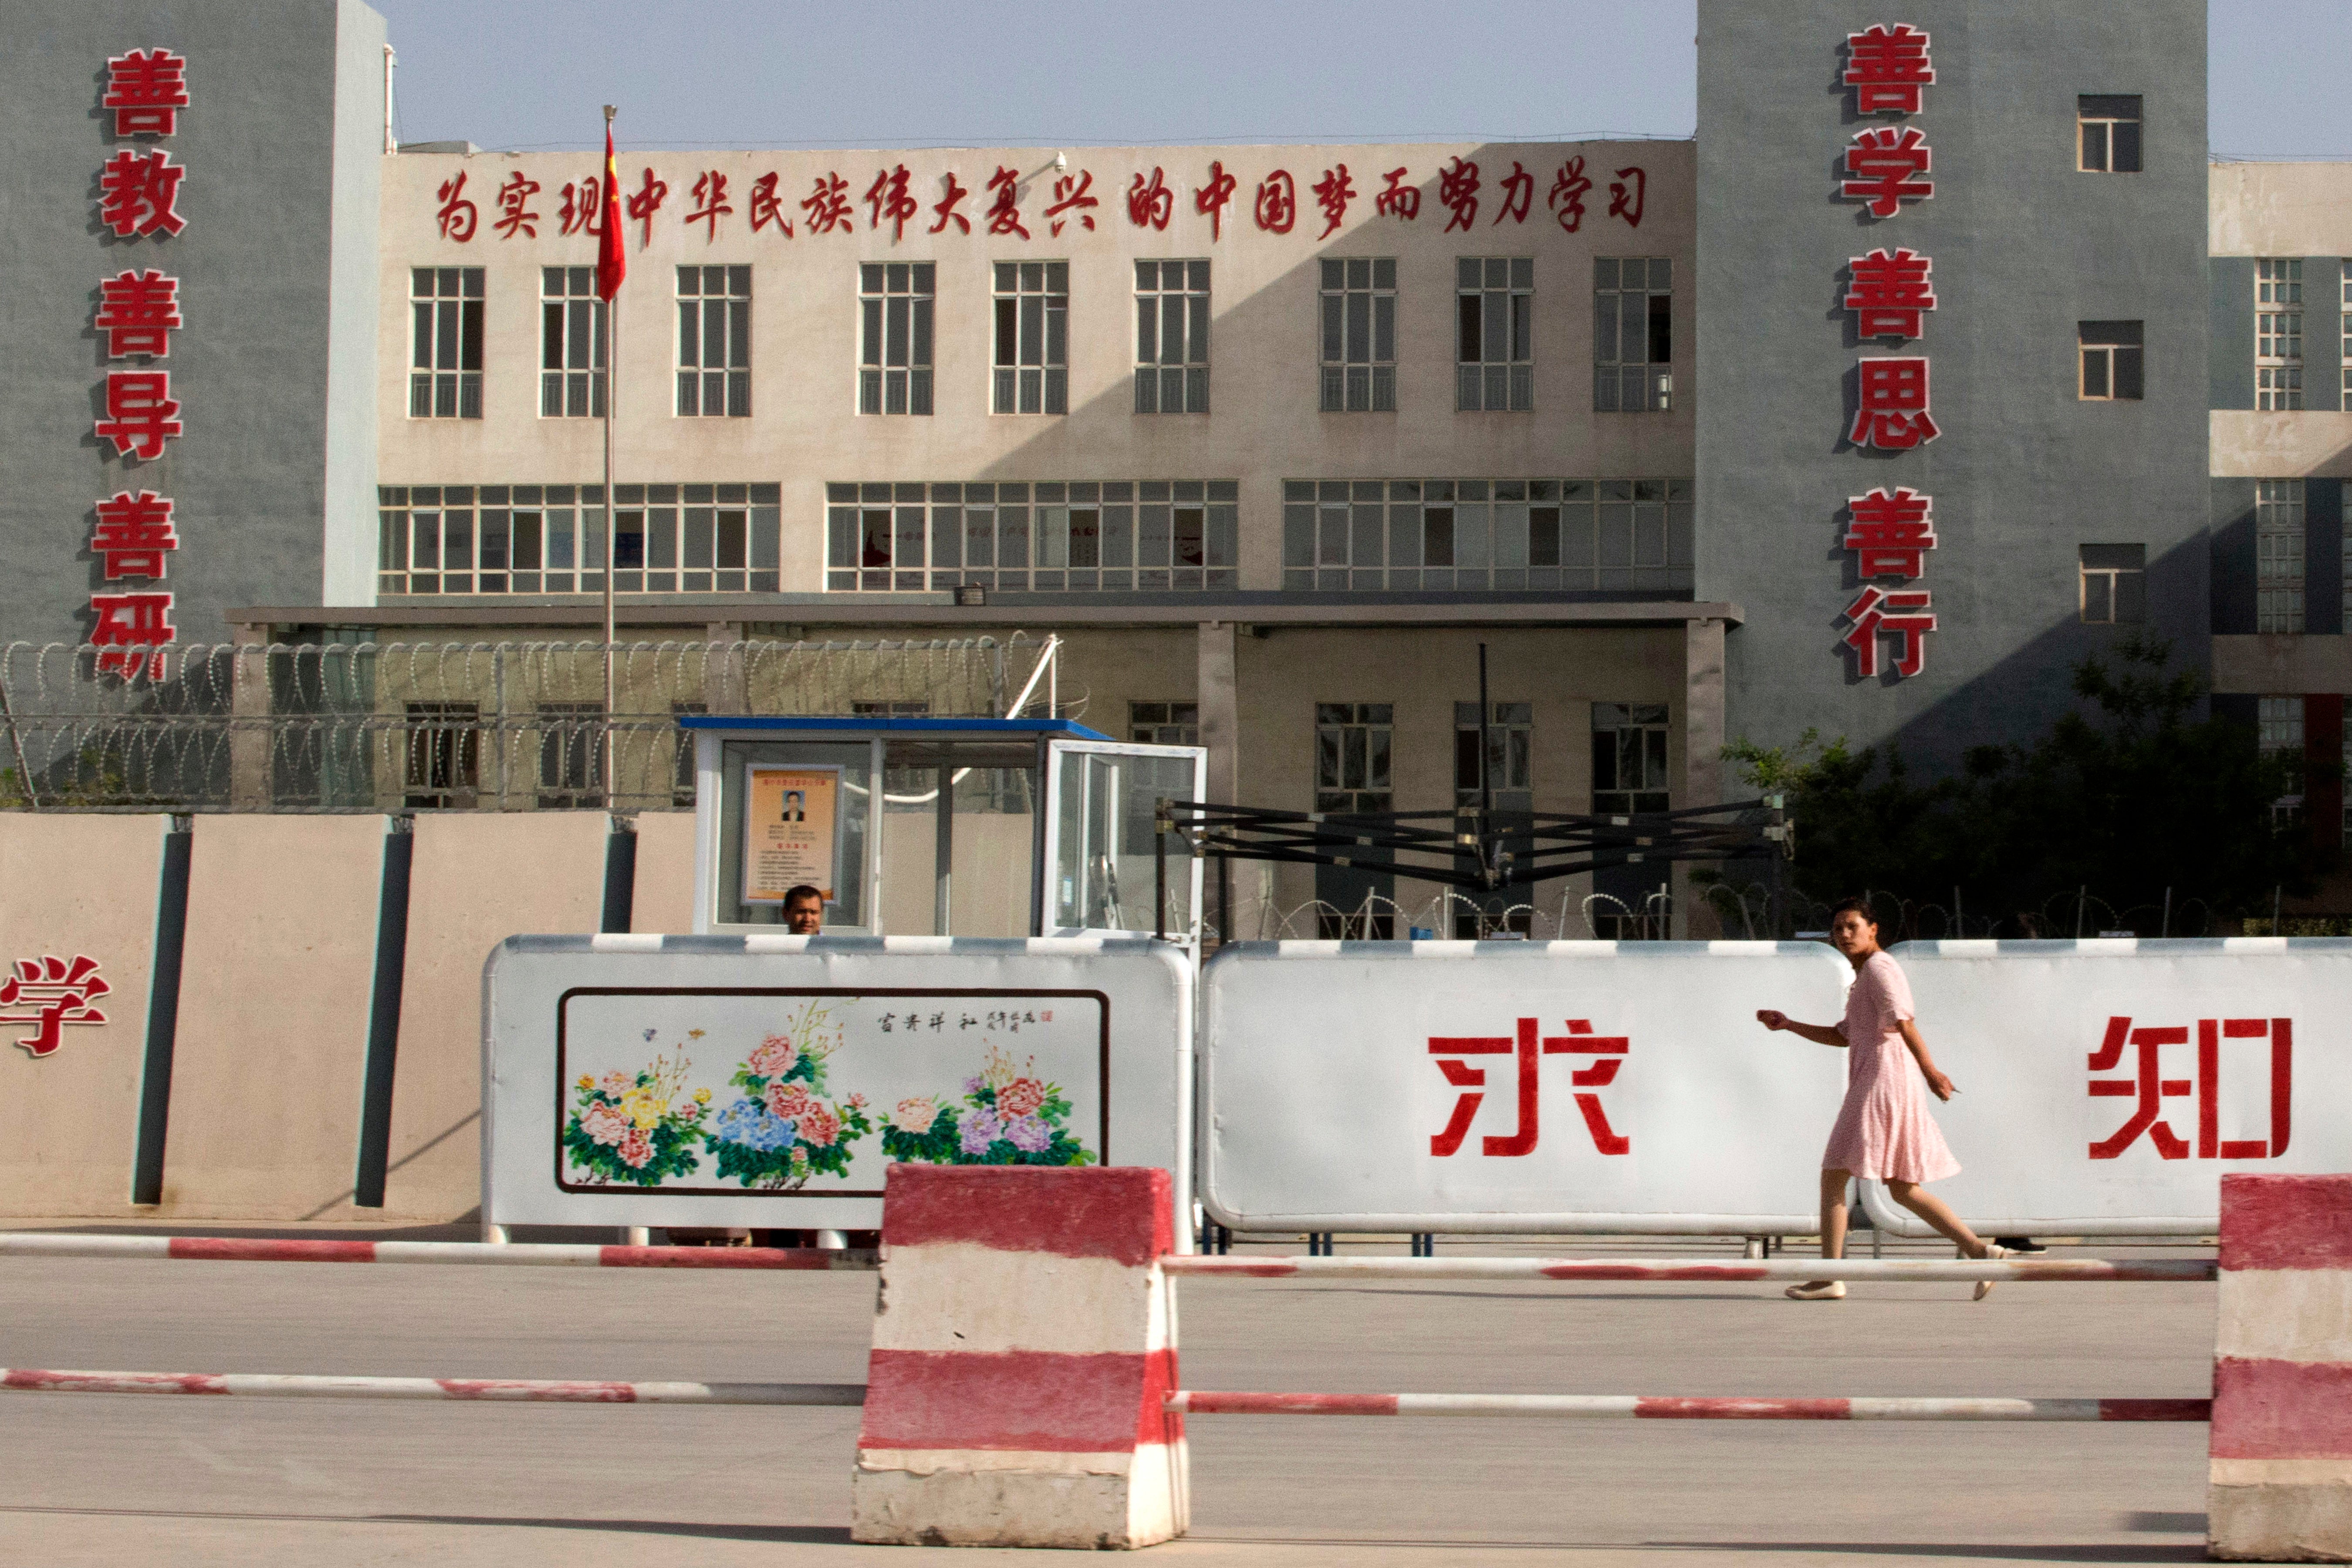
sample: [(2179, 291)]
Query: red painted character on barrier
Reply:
[(2150, 1087), (51, 992), (1529, 1051)]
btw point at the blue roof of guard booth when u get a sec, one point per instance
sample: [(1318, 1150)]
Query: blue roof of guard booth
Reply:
[(1057, 729)]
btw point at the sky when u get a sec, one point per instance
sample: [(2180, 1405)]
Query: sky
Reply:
[(525, 74)]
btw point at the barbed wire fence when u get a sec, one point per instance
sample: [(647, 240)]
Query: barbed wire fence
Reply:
[(371, 727)]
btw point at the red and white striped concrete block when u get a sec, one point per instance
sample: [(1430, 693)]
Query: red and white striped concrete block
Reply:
[(2281, 1451), (1024, 1350)]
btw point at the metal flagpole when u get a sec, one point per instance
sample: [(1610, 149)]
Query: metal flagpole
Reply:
[(612, 395)]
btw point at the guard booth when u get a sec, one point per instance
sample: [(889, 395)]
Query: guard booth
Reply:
[(918, 826)]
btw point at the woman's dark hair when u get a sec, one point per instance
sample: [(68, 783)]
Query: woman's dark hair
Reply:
[(1859, 906)]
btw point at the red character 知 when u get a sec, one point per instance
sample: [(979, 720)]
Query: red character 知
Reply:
[(2147, 1087), (1888, 69), (1527, 1049), (52, 991)]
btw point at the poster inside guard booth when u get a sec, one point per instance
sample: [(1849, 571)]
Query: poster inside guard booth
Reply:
[(790, 831)]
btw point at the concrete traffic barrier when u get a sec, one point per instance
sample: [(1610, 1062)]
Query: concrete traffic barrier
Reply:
[(2281, 1445), (1024, 1349)]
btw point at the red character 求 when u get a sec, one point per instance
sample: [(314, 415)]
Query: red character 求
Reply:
[(1528, 1050)]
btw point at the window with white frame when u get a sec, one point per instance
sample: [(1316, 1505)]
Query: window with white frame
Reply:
[(2278, 555), (1629, 758), (1450, 535), (2107, 139), (445, 379), (1164, 723), (1115, 536), (1032, 332), (1509, 753), (571, 344), (894, 361), (2109, 355), (1633, 333), (550, 539), (2278, 335), (1358, 304), (2113, 583), (1494, 334), (1352, 745), (1171, 337), (714, 341)]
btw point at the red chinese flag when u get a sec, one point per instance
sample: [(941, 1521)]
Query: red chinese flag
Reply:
[(612, 261)]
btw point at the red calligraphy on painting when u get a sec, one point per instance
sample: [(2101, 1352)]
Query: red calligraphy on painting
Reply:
[(1004, 212), (139, 194), (1332, 193), (763, 206), (1211, 199), (1904, 615), (128, 629), (1397, 198), (1527, 1049), (1458, 192), (134, 535), (1276, 208), (138, 312), (1073, 199), (1885, 165), (146, 88), (887, 200), (1888, 69), (1890, 293), (2147, 1086), (49, 993), (1151, 205), (1892, 409), (1566, 197), (1890, 533), (514, 206)]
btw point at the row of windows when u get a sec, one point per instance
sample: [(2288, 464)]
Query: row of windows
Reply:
[(1146, 536), (1029, 338), (2278, 333), (550, 539), (1355, 745), (1479, 534), (2280, 721)]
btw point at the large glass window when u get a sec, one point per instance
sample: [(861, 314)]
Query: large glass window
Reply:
[(1171, 337), (549, 539), (1114, 536), (445, 379), (894, 361), (1629, 758), (1509, 755), (1494, 333), (1633, 333), (1032, 330), (714, 341), (2278, 555), (1451, 535), (1352, 745), (571, 344), (1358, 302), (2278, 335)]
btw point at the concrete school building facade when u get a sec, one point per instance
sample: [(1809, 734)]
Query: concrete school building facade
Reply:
[(1940, 359)]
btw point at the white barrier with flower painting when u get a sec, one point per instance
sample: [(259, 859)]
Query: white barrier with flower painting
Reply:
[(768, 1080)]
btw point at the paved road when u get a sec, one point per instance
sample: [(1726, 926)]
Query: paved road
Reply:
[(119, 1480)]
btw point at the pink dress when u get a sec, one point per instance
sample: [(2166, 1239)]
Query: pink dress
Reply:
[(1883, 1131)]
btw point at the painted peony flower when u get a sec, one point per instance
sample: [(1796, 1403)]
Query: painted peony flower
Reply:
[(819, 1126), (636, 1149), (981, 1129), (605, 1124), (1028, 1133), (747, 1122), (645, 1108), (774, 1058), (1022, 1097), (617, 1084), (587, 1082), (789, 1100), (915, 1115), (702, 1097)]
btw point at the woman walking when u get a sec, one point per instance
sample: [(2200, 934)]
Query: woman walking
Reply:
[(1883, 1131)]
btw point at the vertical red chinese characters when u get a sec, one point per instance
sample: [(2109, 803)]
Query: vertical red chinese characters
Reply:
[(138, 312)]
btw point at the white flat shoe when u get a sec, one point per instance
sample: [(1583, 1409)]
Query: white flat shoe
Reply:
[(1984, 1287), (1831, 1290)]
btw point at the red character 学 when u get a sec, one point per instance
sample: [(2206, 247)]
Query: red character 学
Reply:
[(51, 992), (765, 207), (946, 205), (1212, 198), (581, 209), (1457, 190), (137, 193), (710, 202), (1004, 212), (128, 628), (2150, 1087), (1892, 412), (1890, 294), (1885, 162), (1566, 197), (1151, 205), (1888, 69), (141, 413), (1331, 193), (146, 88), (134, 535), (643, 202), (514, 206), (1071, 196), (1904, 615), (887, 200), (1892, 533), (1276, 208), (138, 312), (1528, 1050)]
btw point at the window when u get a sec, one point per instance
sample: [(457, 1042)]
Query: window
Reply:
[(1171, 337), (1360, 335), (2108, 142), (2113, 583), (2278, 555), (570, 755), (1629, 758), (1351, 756), (894, 361), (2279, 721), (1510, 745), (443, 754), (2278, 335), (1632, 334), (2110, 354), (1494, 334), (445, 380), (571, 344), (1033, 328), (1145, 536), (714, 341), (1473, 535), (1164, 723), (549, 539)]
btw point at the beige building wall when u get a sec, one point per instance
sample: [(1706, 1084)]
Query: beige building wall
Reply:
[(663, 899), (77, 885), (1264, 427)]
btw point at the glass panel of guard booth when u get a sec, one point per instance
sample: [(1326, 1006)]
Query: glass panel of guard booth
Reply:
[(1102, 839)]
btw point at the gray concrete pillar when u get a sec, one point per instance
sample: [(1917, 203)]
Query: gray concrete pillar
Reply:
[(1218, 694)]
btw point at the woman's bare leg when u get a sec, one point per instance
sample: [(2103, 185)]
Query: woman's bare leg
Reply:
[(1834, 1186), (1932, 1209)]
